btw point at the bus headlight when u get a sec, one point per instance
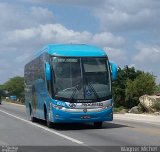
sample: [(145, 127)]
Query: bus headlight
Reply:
[(58, 107)]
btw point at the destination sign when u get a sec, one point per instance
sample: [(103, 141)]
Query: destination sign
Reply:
[(66, 60)]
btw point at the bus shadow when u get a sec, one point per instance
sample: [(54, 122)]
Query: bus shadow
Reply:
[(86, 126), (82, 126)]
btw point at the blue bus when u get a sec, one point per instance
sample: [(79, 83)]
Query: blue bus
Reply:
[(70, 83)]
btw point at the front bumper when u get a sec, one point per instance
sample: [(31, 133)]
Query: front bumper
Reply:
[(81, 115)]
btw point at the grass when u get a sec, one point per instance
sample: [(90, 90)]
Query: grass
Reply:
[(118, 109), (12, 101)]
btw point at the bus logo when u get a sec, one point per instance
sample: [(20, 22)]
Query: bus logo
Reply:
[(88, 93)]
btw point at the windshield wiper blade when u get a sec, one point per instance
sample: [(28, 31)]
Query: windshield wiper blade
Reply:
[(76, 88), (97, 96)]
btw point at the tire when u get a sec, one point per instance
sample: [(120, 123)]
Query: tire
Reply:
[(48, 122), (98, 124), (32, 118)]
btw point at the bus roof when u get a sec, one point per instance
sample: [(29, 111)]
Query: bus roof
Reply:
[(81, 50)]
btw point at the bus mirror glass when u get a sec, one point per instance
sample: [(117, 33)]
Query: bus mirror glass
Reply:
[(48, 71), (113, 71)]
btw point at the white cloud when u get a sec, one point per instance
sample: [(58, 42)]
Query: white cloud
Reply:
[(5, 69), (79, 3), (19, 17), (27, 41), (5, 64), (40, 14), (124, 15), (57, 33), (108, 38), (15, 46), (117, 56), (17, 35), (148, 59), (22, 58), (148, 55), (119, 16)]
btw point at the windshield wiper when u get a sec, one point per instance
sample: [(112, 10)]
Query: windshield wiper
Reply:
[(97, 96), (76, 88), (92, 88)]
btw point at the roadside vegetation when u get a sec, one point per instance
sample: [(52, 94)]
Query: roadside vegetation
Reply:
[(130, 85), (13, 87)]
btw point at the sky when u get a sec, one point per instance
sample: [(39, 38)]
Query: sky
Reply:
[(128, 30)]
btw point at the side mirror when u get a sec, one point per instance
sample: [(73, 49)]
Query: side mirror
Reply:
[(48, 71), (113, 71)]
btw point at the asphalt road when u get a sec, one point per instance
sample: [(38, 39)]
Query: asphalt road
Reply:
[(16, 129)]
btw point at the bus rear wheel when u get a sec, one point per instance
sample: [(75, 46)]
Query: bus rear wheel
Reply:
[(32, 118), (98, 124)]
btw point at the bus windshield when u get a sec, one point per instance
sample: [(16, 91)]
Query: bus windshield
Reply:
[(81, 79)]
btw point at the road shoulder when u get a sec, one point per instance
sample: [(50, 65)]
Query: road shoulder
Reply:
[(147, 118)]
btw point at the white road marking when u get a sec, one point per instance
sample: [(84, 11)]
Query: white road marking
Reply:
[(44, 128)]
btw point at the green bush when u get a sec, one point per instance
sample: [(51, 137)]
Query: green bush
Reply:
[(118, 109), (157, 105), (130, 85), (141, 108)]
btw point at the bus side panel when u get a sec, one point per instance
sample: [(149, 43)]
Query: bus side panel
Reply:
[(41, 92), (28, 74), (41, 98), (34, 88)]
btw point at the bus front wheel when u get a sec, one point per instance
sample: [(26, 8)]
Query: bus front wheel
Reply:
[(98, 124), (49, 124)]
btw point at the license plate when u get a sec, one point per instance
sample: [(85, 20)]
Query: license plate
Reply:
[(85, 117)]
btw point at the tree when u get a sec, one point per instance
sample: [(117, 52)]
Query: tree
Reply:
[(15, 86), (157, 89), (119, 86), (2, 91), (143, 84)]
